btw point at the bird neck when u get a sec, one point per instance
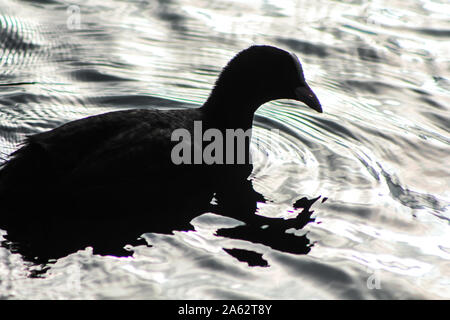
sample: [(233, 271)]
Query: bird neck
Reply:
[(229, 111), (224, 116)]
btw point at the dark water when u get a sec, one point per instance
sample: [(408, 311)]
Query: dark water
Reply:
[(379, 153)]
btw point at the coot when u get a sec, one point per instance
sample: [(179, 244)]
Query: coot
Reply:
[(108, 157)]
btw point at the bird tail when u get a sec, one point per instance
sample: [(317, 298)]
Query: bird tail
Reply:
[(22, 173)]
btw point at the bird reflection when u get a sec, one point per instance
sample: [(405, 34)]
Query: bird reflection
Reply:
[(109, 220)]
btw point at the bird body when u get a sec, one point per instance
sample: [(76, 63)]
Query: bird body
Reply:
[(130, 145)]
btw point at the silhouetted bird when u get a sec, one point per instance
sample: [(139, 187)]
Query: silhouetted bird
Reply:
[(120, 165)]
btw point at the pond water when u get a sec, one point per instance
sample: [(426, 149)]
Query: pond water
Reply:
[(378, 156)]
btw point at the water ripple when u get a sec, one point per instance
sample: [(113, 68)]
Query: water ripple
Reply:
[(376, 156)]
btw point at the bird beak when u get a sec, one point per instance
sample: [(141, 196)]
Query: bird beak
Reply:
[(307, 96)]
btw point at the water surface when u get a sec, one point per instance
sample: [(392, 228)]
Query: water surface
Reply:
[(378, 154)]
